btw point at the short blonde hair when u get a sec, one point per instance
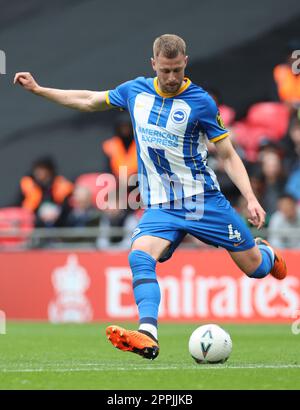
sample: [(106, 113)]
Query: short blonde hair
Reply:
[(170, 45)]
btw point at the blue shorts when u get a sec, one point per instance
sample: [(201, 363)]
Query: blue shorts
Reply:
[(208, 217)]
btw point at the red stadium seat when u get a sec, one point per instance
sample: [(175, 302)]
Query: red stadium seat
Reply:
[(268, 120), (15, 220), (272, 116), (248, 137), (227, 114)]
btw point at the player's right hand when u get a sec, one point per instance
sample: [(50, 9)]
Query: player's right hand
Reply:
[(27, 81)]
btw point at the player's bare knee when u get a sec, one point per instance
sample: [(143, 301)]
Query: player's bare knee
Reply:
[(153, 246), (147, 248)]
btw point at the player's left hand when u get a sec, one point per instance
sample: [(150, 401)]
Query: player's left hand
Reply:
[(256, 212)]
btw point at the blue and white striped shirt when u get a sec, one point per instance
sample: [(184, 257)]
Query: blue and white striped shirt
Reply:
[(170, 133)]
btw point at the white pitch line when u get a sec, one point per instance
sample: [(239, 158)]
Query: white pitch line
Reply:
[(138, 368)]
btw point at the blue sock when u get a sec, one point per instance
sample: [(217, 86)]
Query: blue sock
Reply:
[(145, 286), (266, 263)]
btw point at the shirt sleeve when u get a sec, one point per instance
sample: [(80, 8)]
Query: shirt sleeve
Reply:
[(119, 96), (211, 121)]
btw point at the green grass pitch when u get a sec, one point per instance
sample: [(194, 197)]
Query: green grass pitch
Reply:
[(45, 356)]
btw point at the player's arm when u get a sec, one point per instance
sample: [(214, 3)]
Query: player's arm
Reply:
[(82, 100), (236, 171)]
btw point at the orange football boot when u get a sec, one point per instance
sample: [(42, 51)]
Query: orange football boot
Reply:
[(136, 341), (279, 269)]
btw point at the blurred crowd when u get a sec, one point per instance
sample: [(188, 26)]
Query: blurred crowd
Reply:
[(267, 139)]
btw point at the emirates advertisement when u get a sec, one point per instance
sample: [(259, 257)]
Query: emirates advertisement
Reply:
[(201, 286)]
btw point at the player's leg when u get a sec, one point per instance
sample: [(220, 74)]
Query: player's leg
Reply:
[(248, 260), (221, 225), (260, 260), (145, 252), (255, 262), (156, 238), (152, 245)]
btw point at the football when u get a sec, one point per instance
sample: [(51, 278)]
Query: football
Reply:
[(210, 344)]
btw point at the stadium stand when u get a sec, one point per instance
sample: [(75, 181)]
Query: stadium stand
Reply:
[(16, 226), (264, 120)]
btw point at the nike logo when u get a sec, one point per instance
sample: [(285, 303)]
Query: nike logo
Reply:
[(135, 232), (239, 243)]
